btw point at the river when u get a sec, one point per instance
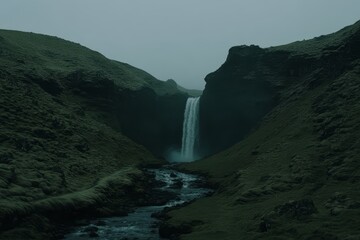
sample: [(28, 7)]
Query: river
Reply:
[(140, 224)]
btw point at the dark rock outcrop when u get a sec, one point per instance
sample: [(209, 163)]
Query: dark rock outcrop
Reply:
[(147, 117), (252, 81), (151, 115), (236, 96), (152, 120)]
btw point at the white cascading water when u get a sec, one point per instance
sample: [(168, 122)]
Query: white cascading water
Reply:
[(190, 136)]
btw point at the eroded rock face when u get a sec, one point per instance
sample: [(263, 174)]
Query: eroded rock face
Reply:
[(152, 120), (148, 117), (252, 81), (236, 97)]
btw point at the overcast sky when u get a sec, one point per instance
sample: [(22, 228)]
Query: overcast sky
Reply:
[(184, 39)]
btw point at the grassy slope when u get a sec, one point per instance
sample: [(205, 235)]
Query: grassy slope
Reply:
[(306, 148), (54, 153), (191, 92), (315, 46), (47, 55)]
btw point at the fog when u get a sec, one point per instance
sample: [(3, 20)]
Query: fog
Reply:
[(183, 40)]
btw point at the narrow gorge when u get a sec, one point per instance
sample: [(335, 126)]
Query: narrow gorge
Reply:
[(95, 148)]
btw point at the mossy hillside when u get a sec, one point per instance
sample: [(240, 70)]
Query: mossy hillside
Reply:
[(114, 194), (50, 149), (190, 92), (318, 45), (53, 57), (105, 88), (56, 139), (295, 176), (89, 197)]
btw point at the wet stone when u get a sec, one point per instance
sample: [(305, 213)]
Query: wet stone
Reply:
[(177, 184)]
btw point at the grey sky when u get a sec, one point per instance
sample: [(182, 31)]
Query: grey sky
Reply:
[(183, 39)]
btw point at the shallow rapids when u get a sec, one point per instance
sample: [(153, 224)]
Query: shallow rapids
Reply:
[(140, 224)]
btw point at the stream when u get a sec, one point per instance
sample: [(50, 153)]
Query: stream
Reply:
[(140, 224)]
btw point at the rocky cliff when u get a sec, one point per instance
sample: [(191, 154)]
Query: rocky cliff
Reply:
[(252, 81), (294, 174)]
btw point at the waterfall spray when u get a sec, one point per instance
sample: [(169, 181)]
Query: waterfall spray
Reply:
[(190, 138)]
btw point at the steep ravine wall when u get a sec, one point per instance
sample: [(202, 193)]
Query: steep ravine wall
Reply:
[(254, 80), (154, 120), (235, 97)]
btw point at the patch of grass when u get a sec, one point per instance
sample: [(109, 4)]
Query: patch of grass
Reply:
[(73, 201), (319, 45)]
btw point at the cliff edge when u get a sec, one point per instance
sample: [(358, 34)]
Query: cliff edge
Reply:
[(252, 81)]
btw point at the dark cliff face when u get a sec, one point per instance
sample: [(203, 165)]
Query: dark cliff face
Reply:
[(148, 117), (254, 80), (152, 120), (235, 97)]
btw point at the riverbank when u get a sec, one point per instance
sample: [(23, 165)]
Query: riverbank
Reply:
[(116, 194), (170, 189)]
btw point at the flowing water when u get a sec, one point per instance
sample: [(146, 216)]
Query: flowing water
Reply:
[(140, 224), (190, 136)]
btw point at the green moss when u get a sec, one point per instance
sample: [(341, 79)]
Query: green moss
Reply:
[(92, 196), (51, 57)]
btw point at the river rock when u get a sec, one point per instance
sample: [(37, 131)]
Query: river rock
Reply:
[(177, 184), (92, 231)]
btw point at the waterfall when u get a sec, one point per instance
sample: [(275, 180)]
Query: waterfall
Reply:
[(190, 137)]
